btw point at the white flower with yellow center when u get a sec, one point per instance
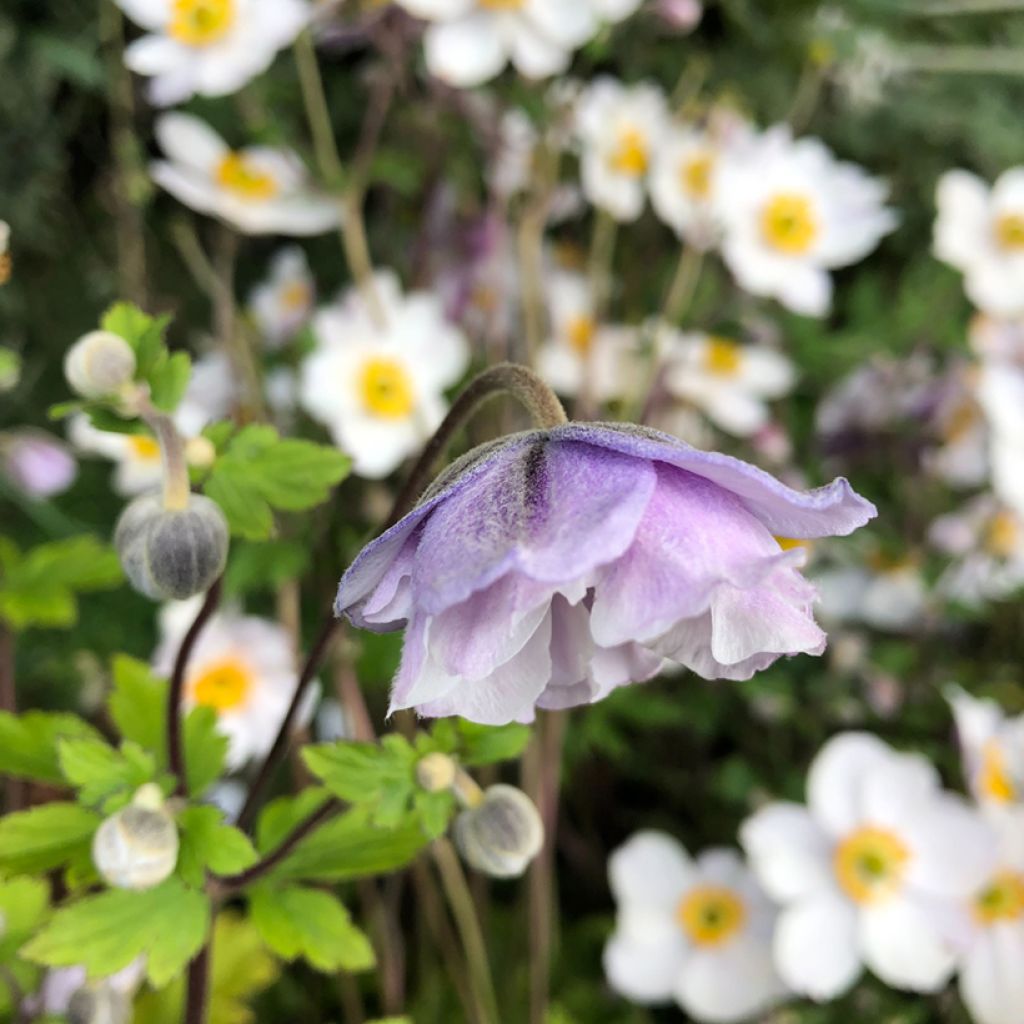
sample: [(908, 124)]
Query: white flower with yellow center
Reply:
[(870, 872), (242, 667), (471, 41), (980, 231), (1001, 396), (986, 540), (961, 456), (730, 383), (696, 931), (790, 212), (991, 748), (377, 382), (283, 303), (210, 47), (683, 182), (582, 356), (620, 128), (258, 190)]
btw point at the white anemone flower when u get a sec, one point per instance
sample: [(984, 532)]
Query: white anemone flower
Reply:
[(259, 190), (960, 458), (620, 128), (986, 540), (682, 185), (283, 303), (790, 212), (1001, 395), (730, 383), (991, 748), (870, 872), (243, 667), (470, 41), (210, 47), (377, 382), (980, 231), (884, 592), (696, 931)]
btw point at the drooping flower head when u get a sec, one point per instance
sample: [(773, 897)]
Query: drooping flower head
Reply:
[(548, 568)]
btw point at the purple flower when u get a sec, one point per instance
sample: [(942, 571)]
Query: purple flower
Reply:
[(547, 568), (36, 463)]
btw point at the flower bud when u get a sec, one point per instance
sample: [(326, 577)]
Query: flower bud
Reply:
[(99, 1004), (172, 553), (435, 772), (137, 848), (99, 364), (502, 834)]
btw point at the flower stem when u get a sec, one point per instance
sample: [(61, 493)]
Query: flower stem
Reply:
[(683, 286), (505, 378), (981, 60), (197, 985), (945, 8), (177, 485), (9, 703)]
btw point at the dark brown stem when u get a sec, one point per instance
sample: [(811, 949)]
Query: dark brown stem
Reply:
[(280, 747), (505, 378), (9, 703), (197, 987), (175, 746)]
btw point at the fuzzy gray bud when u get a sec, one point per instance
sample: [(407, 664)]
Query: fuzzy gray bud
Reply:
[(99, 364), (172, 553), (99, 1004), (137, 848), (501, 834)]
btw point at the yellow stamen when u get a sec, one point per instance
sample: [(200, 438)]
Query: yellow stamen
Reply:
[(870, 863), (791, 543), (696, 175), (146, 449), (239, 174), (994, 779), (201, 22), (296, 296), (1002, 899), (631, 154), (711, 914), (962, 419), (387, 389), (501, 5), (1002, 534), (1010, 231), (722, 357), (789, 224), (580, 331), (222, 685)]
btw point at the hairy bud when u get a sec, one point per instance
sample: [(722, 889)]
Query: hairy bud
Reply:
[(137, 848), (435, 772), (99, 1004), (172, 553), (99, 364), (501, 834)]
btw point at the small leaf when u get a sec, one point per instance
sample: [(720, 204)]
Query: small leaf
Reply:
[(486, 744), (99, 771), (205, 749), (361, 772), (28, 743), (138, 706), (168, 382), (208, 844), (45, 837)]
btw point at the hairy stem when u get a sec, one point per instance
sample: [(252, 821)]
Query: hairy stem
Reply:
[(176, 483)]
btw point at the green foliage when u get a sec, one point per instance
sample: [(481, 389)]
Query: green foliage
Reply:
[(104, 933), (259, 472), (39, 587), (475, 745), (29, 743), (24, 904), (45, 837), (205, 750), (208, 844), (104, 776), (296, 921)]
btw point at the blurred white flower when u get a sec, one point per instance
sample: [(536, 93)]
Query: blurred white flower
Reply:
[(683, 15), (582, 356), (870, 872), (997, 338), (728, 382), (241, 666), (961, 456), (980, 231), (790, 212), (36, 463), (211, 395), (210, 47), (379, 387), (512, 169), (283, 303), (258, 189), (986, 539), (991, 748), (1001, 395), (696, 931), (882, 592), (620, 128)]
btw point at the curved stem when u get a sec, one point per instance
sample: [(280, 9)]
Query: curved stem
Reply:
[(175, 692), (505, 378), (197, 987)]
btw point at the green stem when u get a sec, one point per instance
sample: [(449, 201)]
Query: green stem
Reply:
[(981, 60), (602, 252), (946, 8)]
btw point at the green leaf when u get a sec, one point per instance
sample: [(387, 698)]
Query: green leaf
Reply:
[(295, 922), (39, 587), (28, 743), (45, 837), (104, 933), (99, 771), (362, 772), (486, 744), (138, 706), (205, 749), (259, 472), (435, 811), (265, 565), (208, 844), (24, 904), (168, 382)]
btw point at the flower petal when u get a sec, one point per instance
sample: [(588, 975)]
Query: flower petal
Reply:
[(788, 851), (904, 948), (816, 947)]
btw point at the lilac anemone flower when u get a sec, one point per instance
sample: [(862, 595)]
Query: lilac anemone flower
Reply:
[(546, 569)]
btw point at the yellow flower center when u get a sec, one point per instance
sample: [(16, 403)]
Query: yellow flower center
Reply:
[(146, 449), (630, 155), (994, 779), (711, 914), (237, 173), (501, 5), (222, 685), (788, 223), (1010, 231), (201, 22), (1002, 534), (870, 864), (1002, 899), (580, 332), (791, 543), (696, 175), (296, 296), (387, 389), (961, 421), (722, 357)]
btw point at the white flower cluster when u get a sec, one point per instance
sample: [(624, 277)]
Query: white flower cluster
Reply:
[(881, 869)]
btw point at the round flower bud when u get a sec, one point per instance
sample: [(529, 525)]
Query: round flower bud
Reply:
[(435, 772), (502, 834), (99, 364), (137, 848), (100, 1004), (172, 553)]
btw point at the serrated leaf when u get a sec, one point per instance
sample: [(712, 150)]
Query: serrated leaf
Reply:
[(361, 772), (45, 837), (209, 844), (138, 706), (296, 921), (168, 381), (99, 771), (28, 743), (435, 811), (24, 902), (205, 749), (265, 565), (487, 744)]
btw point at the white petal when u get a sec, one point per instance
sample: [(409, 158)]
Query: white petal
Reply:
[(836, 778), (189, 141), (467, 51), (991, 978), (644, 972), (816, 947), (652, 870), (788, 851), (903, 946)]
